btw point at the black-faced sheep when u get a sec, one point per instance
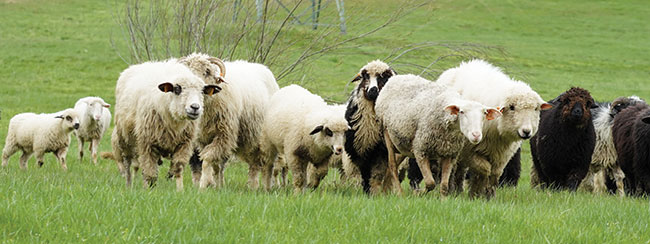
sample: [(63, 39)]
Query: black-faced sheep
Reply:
[(426, 121), (631, 134), (94, 119), (233, 118), (364, 143), (479, 81), (604, 166), (563, 146), (157, 108), (302, 127), (40, 133)]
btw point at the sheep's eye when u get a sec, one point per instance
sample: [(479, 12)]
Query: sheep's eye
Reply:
[(328, 132), (207, 73), (461, 112), (512, 107), (68, 118), (178, 90)]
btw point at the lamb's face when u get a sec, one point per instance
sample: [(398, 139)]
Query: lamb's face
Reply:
[(470, 118), (330, 136), (520, 115), (69, 119), (187, 94), (576, 104), (95, 109), (372, 79)]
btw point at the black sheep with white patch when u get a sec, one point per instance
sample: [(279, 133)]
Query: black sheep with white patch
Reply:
[(631, 132), (562, 148), (364, 142)]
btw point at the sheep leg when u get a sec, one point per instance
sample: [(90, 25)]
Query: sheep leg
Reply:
[(317, 174), (24, 158), (391, 179), (267, 171), (618, 177), (195, 167), (447, 165), (425, 168), (176, 170), (94, 144), (80, 145), (480, 177), (60, 156), (6, 154), (299, 170), (207, 175), (253, 173), (126, 165), (149, 164), (39, 158)]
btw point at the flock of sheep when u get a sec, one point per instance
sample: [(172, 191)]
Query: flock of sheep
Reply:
[(465, 129)]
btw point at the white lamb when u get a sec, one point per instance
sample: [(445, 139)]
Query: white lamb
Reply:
[(40, 133), (304, 128), (157, 108), (426, 121), (94, 119), (233, 118), (520, 106)]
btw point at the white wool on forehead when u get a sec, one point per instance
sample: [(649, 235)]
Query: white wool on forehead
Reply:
[(375, 67)]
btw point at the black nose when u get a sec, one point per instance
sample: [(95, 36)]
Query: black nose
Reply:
[(372, 93), (526, 134), (195, 106), (76, 126), (577, 110)]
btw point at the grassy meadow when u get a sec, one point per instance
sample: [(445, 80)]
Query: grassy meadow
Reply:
[(53, 52)]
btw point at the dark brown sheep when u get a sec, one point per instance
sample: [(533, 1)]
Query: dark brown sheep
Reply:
[(631, 134), (563, 146)]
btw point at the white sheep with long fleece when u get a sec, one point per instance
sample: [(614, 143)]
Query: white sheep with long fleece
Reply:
[(157, 109), (520, 106), (94, 119), (426, 121), (39, 134), (304, 128), (233, 118)]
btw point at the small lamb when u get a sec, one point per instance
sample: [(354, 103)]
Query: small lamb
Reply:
[(40, 133), (94, 119)]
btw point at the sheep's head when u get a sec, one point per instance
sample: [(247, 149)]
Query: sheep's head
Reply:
[(471, 116), (212, 70), (373, 76), (69, 119), (186, 95), (331, 131), (520, 114), (621, 103), (93, 107), (575, 105)]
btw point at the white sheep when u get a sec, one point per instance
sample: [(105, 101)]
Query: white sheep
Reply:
[(302, 127), (364, 143), (157, 108), (94, 119), (233, 118), (520, 106), (426, 121), (40, 133)]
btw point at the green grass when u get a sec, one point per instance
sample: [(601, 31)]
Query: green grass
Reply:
[(54, 52)]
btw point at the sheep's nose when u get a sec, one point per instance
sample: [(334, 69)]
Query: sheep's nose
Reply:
[(372, 93), (577, 110), (525, 134), (76, 126), (338, 150), (195, 106), (476, 135)]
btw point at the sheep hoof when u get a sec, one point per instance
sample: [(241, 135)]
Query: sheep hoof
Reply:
[(40, 164)]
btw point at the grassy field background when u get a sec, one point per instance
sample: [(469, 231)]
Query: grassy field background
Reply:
[(54, 52)]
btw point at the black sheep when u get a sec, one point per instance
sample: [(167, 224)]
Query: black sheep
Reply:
[(562, 148), (364, 142), (631, 134)]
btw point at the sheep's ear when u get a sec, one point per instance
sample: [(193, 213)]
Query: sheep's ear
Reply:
[(166, 87), (646, 120), (501, 109), (316, 130), (452, 109), (220, 80), (106, 105), (59, 117), (392, 70), (211, 90), (546, 106), (491, 114), (356, 78)]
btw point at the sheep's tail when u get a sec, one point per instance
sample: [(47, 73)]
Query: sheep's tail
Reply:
[(107, 155)]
